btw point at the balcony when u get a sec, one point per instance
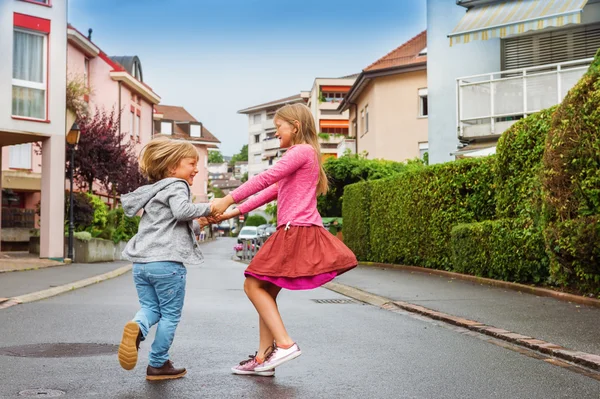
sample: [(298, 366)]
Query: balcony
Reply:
[(489, 104), (347, 144), (271, 144), (329, 105)]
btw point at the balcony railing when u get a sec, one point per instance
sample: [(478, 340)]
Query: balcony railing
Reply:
[(271, 144), (489, 104), (18, 217)]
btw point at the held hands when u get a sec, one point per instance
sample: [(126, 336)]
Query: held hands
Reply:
[(220, 205)]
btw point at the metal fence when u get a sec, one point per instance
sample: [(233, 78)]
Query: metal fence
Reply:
[(250, 248), (18, 217)]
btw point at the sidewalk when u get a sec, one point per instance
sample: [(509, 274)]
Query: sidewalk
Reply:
[(29, 281), (15, 261), (569, 325)]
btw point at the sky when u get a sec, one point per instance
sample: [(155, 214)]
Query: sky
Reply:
[(217, 57)]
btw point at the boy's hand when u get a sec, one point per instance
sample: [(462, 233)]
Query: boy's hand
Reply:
[(220, 205), (203, 222)]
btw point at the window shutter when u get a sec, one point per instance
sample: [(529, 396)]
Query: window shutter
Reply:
[(551, 47)]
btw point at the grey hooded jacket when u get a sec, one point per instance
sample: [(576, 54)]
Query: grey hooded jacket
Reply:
[(167, 230)]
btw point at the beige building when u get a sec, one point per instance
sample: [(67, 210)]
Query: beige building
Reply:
[(388, 106)]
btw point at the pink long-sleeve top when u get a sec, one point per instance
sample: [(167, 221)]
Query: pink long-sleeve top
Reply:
[(292, 182)]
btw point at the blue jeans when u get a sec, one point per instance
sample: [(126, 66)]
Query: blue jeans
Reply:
[(161, 289)]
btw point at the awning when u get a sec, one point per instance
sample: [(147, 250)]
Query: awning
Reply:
[(269, 154), (476, 150), (514, 17), (333, 123), (335, 89)]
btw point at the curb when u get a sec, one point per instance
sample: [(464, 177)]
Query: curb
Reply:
[(61, 289), (581, 358), (562, 296)]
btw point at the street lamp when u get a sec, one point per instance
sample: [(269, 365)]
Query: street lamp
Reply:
[(72, 140)]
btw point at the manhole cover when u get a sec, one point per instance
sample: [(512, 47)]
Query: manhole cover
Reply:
[(42, 393), (59, 350), (335, 301)]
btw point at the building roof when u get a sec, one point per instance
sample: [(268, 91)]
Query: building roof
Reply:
[(282, 101), (129, 62), (410, 56), (406, 54), (179, 114)]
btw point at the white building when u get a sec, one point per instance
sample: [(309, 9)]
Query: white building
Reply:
[(491, 63), (332, 126), (263, 146), (33, 78), (218, 168)]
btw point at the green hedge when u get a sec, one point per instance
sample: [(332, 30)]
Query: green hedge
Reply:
[(356, 210), (518, 166), (412, 215), (571, 185), (506, 249)]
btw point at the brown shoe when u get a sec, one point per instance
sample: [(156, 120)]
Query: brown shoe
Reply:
[(166, 372), (130, 344)]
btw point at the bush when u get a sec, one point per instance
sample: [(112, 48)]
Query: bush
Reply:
[(100, 215), (574, 253), (571, 184), (255, 220), (351, 169), (412, 214), (83, 211), (124, 227), (518, 166), (82, 235), (356, 210), (506, 249)]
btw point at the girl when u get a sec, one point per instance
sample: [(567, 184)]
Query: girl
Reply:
[(301, 254), (166, 239)]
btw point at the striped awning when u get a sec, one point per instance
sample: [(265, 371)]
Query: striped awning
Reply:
[(515, 16), (333, 123)]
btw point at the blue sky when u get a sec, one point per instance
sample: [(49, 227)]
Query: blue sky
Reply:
[(217, 57)]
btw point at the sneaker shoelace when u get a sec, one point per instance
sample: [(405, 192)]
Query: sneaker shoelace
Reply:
[(251, 358)]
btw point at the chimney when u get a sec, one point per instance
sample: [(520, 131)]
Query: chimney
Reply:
[(90, 34)]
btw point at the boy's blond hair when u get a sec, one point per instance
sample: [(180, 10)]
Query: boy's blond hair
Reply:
[(161, 155)]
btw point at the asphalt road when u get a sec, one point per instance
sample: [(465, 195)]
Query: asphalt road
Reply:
[(349, 350)]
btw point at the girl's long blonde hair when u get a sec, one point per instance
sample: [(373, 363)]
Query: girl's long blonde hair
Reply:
[(299, 116), (161, 155)]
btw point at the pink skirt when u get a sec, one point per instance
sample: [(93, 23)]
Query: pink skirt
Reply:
[(301, 258)]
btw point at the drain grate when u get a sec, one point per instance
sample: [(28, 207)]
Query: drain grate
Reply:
[(42, 393), (56, 350), (335, 301)]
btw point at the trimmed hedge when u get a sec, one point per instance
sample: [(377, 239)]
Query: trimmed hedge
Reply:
[(518, 166), (412, 215), (356, 210), (506, 249), (571, 185)]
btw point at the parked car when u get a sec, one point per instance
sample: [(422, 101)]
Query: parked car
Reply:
[(270, 230), (248, 233), (262, 230)]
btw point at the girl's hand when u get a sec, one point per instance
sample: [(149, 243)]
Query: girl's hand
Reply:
[(220, 205), (229, 215)]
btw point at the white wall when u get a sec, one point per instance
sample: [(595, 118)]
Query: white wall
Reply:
[(444, 65)]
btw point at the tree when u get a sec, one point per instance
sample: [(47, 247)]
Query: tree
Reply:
[(244, 178), (215, 157), (241, 156), (255, 220), (271, 210), (102, 155)]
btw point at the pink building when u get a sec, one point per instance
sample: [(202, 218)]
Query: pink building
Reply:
[(178, 124)]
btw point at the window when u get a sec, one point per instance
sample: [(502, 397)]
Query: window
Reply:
[(366, 118), (86, 72), (270, 161), (132, 124), (256, 118), (362, 121), (138, 121), (166, 127), (257, 158), (332, 97), (20, 156), (423, 149), (257, 138), (423, 105), (195, 131), (29, 74)]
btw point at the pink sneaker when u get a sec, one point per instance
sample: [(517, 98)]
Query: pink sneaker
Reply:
[(278, 357), (248, 367)]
